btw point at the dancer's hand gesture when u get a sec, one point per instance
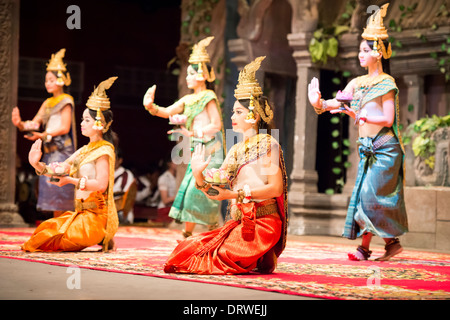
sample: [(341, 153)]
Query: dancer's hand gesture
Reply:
[(314, 94), (198, 162), (185, 132), (35, 153), (60, 181), (149, 97), (15, 117)]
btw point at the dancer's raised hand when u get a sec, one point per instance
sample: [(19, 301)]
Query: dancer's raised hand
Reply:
[(314, 94), (198, 162), (15, 117), (35, 153), (149, 97)]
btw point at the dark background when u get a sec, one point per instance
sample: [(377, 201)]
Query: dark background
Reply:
[(128, 39)]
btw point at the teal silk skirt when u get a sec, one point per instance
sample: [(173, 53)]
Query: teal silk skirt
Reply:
[(377, 203), (191, 204)]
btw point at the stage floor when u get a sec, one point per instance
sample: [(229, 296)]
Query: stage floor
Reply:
[(311, 267)]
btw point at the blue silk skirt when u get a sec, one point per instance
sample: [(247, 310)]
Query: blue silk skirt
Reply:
[(377, 203)]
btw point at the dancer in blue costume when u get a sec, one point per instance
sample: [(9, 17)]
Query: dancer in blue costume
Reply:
[(203, 125), (56, 116), (377, 204)]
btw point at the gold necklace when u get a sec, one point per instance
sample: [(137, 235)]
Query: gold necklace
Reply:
[(367, 81)]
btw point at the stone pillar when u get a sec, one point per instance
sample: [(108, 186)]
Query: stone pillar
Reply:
[(310, 212), (413, 109), (415, 98), (9, 58), (353, 158), (304, 175)]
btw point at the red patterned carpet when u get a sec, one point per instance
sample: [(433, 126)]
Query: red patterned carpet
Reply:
[(308, 269)]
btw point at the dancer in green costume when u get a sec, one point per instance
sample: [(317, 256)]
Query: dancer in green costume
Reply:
[(204, 125)]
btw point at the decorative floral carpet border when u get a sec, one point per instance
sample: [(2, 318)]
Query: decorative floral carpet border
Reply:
[(308, 269)]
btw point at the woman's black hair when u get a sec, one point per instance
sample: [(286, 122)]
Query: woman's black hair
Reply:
[(108, 135), (262, 125), (384, 62), (209, 85)]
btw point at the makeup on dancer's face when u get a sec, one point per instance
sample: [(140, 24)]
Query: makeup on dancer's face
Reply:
[(365, 57), (191, 77), (50, 82), (86, 122), (238, 117)]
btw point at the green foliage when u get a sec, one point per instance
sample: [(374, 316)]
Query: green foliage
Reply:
[(343, 151), (198, 19), (321, 47), (324, 43), (419, 133)]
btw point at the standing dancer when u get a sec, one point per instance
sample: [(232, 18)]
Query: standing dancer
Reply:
[(91, 170), (377, 204), (256, 234), (203, 126), (56, 115)]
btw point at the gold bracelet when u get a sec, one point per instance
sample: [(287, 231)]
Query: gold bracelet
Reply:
[(156, 109), (44, 171), (201, 187), (323, 107), (240, 196)]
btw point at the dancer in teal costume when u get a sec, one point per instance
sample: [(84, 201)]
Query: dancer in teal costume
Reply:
[(203, 125), (190, 204), (377, 205)]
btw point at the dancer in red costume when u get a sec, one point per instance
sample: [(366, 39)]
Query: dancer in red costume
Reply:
[(256, 235)]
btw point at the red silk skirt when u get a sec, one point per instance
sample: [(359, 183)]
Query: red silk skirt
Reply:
[(228, 250)]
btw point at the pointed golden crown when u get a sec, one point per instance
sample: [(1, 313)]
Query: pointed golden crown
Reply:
[(249, 88), (199, 53), (56, 64), (376, 31), (375, 28), (200, 57), (99, 101), (98, 98)]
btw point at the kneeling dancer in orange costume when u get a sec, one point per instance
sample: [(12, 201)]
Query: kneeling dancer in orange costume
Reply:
[(91, 170)]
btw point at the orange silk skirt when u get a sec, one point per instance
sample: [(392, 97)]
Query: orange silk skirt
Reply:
[(226, 250), (72, 231)]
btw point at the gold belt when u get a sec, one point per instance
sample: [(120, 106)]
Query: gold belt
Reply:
[(265, 210), (81, 205), (262, 209)]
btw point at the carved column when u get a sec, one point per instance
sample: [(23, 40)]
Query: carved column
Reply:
[(304, 175), (310, 212), (9, 57), (413, 109)]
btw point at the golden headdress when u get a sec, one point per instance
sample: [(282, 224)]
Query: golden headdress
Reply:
[(377, 32), (249, 88), (56, 64), (200, 57), (99, 101)]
